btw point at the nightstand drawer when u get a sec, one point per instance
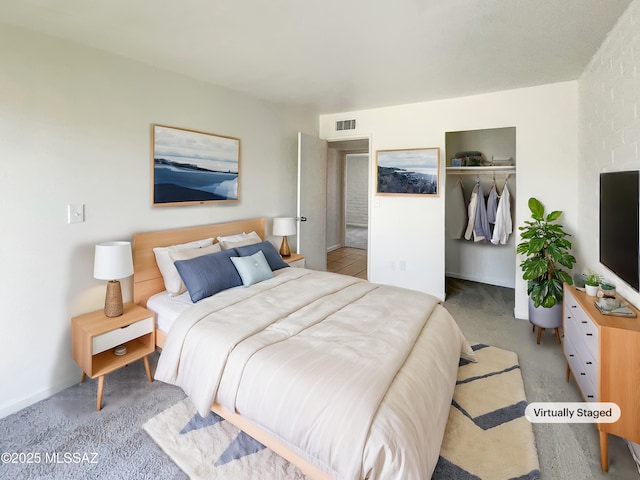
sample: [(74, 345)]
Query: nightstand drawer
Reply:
[(122, 335)]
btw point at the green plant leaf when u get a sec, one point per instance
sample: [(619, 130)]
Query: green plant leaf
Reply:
[(554, 215), (564, 277), (536, 244), (537, 210)]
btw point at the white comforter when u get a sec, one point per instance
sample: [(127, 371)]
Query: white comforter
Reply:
[(355, 377)]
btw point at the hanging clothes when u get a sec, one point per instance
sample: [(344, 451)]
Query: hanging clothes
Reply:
[(492, 204), (457, 213), (481, 229), (503, 227), (472, 209)]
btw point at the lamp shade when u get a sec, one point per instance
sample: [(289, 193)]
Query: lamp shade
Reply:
[(113, 260), (284, 226)]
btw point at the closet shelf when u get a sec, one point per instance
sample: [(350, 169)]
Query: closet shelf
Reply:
[(509, 170)]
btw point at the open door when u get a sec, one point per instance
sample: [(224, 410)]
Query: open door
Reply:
[(312, 201)]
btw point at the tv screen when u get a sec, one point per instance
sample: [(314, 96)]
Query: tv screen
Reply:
[(619, 198)]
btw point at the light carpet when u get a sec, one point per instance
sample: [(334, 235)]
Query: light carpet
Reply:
[(487, 436)]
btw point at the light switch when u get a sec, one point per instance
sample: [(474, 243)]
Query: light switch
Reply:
[(75, 213)]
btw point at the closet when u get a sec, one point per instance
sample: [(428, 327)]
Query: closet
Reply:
[(480, 261)]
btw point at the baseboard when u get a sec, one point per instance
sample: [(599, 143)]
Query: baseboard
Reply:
[(333, 247), (10, 408), (472, 278), (521, 314)]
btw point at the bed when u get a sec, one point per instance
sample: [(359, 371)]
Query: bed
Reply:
[(344, 378)]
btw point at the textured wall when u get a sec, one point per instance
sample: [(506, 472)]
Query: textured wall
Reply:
[(609, 130)]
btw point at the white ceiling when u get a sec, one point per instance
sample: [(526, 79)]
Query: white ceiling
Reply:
[(340, 55)]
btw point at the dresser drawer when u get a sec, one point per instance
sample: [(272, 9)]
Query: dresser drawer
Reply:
[(581, 341), (122, 335), (588, 330), (585, 329), (582, 371), (589, 392)]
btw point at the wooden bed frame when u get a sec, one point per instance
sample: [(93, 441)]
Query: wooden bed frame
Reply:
[(147, 281)]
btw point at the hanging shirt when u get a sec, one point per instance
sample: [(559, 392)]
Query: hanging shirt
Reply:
[(472, 209), (503, 227), (481, 229), (457, 212), (492, 204)]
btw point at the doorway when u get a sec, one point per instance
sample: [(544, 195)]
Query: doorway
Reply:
[(348, 207)]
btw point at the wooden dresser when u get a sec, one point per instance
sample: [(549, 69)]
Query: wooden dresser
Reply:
[(603, 353)]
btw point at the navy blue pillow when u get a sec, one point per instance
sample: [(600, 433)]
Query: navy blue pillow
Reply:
[(209, 274), (270, 253)]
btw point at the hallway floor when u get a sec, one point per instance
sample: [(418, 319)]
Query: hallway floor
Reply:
[(348, 261)]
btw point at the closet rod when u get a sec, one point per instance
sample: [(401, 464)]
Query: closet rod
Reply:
[(481, 171)]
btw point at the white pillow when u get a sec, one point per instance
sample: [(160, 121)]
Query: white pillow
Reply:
[(172, 280), (230, 241), (188, 254)]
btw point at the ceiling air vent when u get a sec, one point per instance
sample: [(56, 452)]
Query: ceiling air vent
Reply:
[(346, 125)]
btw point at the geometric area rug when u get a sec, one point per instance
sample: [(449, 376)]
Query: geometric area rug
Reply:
[(487, 436)]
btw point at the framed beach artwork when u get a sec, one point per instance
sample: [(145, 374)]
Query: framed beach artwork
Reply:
[(191, 167), (414, 171)]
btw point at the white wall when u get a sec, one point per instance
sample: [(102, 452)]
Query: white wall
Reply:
[(609, 131), (75, 127), (410, 229)]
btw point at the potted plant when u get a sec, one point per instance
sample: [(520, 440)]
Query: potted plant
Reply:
[(608, 289), (592, 283), (546, 247)]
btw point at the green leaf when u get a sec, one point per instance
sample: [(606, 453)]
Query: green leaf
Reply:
[(564, 277), (535, 267), (536, 244), (537, 210), (554, 215)]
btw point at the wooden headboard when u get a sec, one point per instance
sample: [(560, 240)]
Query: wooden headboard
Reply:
[(147, 280)]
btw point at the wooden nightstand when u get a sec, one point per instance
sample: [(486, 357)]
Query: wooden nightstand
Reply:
[(295, 260), (94, 337)]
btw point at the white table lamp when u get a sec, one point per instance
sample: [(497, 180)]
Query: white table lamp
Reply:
[(282, 227), (113, 261)]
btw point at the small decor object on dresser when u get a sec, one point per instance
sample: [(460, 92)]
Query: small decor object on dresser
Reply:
[(592, 284), (608, 290), (614, 306), (190, 167)]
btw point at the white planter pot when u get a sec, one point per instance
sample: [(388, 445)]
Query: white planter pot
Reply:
[(546, 317), (592, 290)]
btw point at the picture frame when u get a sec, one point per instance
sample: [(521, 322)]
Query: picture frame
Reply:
[(408, 172), (190, 167)]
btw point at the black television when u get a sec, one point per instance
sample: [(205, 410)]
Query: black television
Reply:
[(619, 224)]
